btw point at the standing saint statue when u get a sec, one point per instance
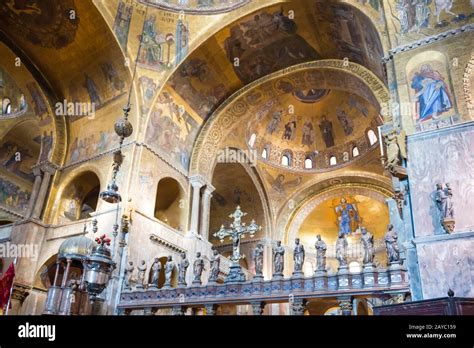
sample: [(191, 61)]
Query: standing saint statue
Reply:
[(441, 199), (182, 268), (198, 267), (258, 260), (215, 264), (341, 250), (450, 204), (128, 275), (278, 259), (321, 249), (169, 267), (141, 274), (391, 243), (155, 268), (367, 240), (298, 257)]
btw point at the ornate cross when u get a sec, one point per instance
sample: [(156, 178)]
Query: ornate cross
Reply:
[(237, 230)]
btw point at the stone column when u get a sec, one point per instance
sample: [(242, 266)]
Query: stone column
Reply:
[(257, 307), (345, 303), (48, 171), (211, 309), (149, 311), (58, 263), (206, 210), (35, 191), (178, 310), (298, 306), (66, 273), (197, 183)]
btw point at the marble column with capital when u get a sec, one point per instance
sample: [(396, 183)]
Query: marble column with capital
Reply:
[(48, 171), (196, 183), (206, 211), (34, 193)]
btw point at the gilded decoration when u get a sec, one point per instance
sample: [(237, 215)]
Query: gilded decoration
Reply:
[(235, 110)]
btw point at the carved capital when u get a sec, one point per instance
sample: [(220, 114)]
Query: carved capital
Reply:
[(20, 292), (298, 306), (345, 303), (258, 307), (211, 309)]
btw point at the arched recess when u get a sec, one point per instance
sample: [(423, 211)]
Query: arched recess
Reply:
[(318, 214), (238, 184), (19, 151), (79, 197), (237, 109), (170, 207), (31, 101)]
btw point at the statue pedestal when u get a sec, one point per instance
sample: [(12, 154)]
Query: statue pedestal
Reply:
[(182, 285), (153, 287), (258, 278), (343, 277), (166, 285), (368, 274), (448, 225), (277, 276), (235, 274), (211, 282), (196, 282), (395, 271), (297, 275)]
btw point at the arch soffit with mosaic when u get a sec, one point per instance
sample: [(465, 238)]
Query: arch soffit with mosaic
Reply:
[(236, 108), (23, 77), (248, 9)]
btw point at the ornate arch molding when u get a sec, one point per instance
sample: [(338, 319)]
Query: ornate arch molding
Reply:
[(252, 7), (237, 108), (467, 86), (293, 225)]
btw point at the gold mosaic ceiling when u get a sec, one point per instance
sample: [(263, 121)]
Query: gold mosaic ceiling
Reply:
[(315, 123)]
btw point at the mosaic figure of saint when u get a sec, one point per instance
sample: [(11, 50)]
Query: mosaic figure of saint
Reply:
[(432, 95), (348, 217)]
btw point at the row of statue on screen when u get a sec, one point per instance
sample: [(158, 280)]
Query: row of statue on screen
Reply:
[(278, 254)]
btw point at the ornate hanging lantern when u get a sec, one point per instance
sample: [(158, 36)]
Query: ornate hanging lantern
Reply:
[(98, 268)]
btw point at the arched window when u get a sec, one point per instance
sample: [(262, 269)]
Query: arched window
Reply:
[(308, 163), (285, 160), (372, 137), (252, 139), (355, 151), (332, 161), (6, 106), (265, 152)]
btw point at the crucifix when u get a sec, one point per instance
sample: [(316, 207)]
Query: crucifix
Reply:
[(237, 230)]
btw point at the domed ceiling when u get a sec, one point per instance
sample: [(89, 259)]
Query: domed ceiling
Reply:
[(315, 129), (315, 124)]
